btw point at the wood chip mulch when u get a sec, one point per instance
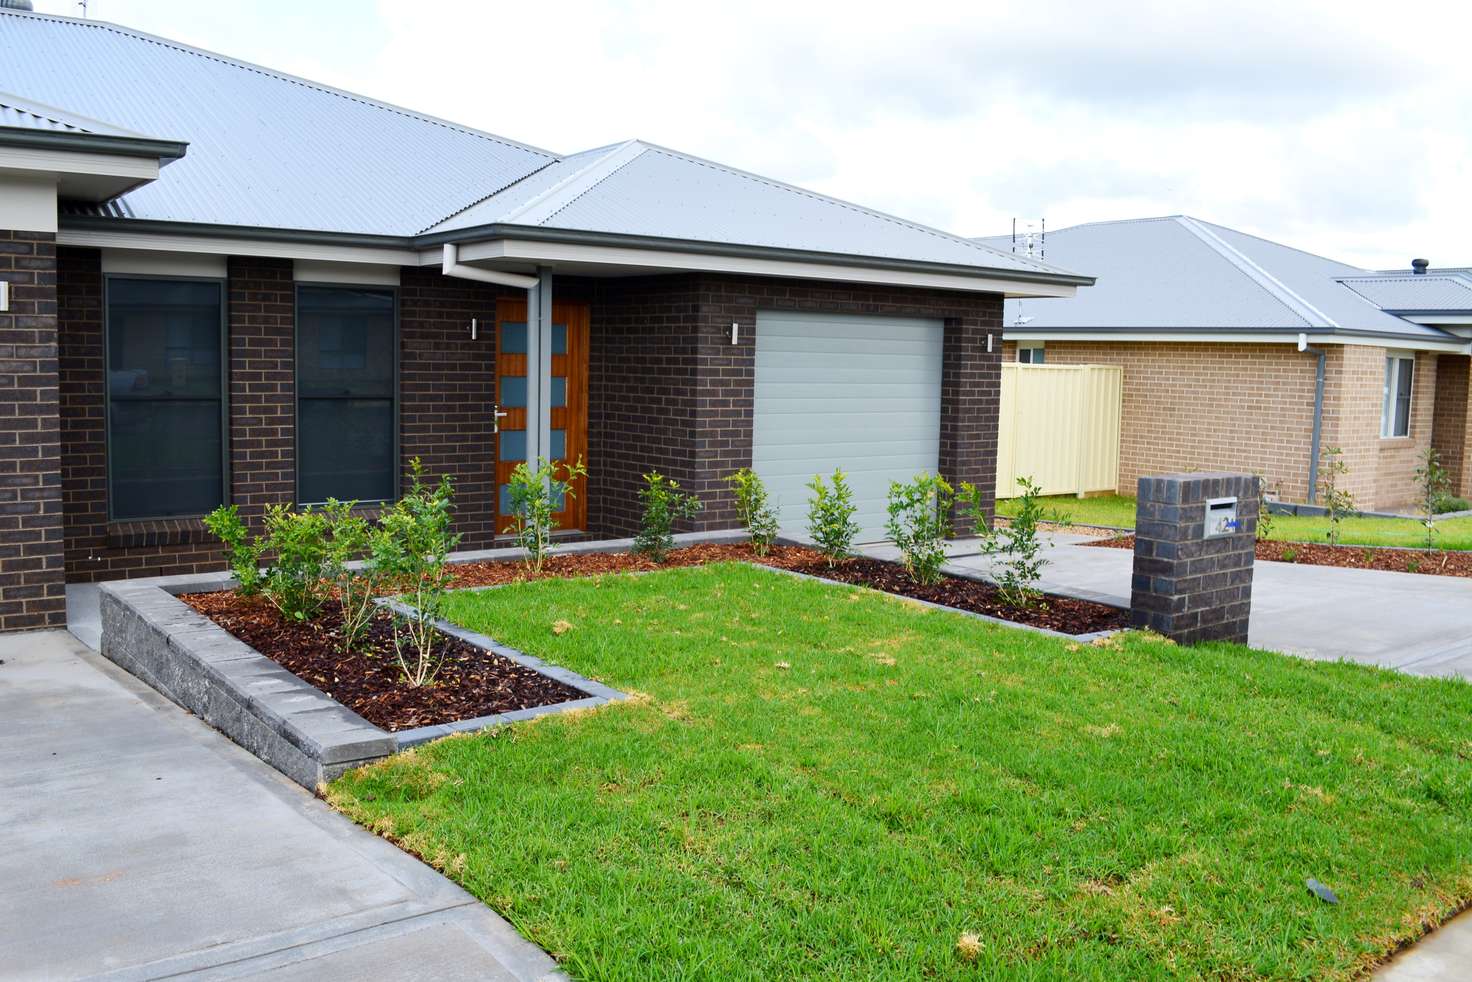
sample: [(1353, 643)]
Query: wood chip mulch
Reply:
[(472, 682), (1435, 563)]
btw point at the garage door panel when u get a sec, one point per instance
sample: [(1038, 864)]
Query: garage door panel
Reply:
[(850, 392)]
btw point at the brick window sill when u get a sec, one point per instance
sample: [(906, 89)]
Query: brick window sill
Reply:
[(1396, 442), (157, 532)]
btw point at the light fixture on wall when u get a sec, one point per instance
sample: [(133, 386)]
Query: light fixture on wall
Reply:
[(734, 331)]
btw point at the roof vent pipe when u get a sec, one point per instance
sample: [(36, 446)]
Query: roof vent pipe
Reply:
[(1419, 266)]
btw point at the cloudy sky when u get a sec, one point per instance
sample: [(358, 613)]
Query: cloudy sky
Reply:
[(1344, 128)]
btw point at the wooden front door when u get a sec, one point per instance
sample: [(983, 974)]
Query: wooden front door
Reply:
[(569, 402)]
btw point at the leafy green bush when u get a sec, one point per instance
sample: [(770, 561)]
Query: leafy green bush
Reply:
[(536, 493), (297, 579), (664, 504), (919, 518), (1017, 547), (831, 517), (1450, 502), (408, 552), (348, 536), (1338, 501), (757, 516), (242, 551)]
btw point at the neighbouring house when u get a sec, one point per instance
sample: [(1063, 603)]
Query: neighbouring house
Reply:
[(226, 284), (1222, 337)]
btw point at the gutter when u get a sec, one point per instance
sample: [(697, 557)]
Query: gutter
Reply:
[(1313, 461), (127, 146)]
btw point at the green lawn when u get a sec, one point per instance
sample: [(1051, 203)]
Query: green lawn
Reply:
[(820, 782), (1119, 512)]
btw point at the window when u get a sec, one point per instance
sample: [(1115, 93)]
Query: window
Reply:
[(346, 417), (1395, 411), (165, 397), (1030, 352)]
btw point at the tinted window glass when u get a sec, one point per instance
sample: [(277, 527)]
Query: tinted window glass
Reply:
[(165, 398), (345, 394)]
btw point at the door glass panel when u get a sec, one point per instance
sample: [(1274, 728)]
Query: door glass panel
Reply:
[(505, 496), (558, 499), (513, 444), (513, 338), (559, 391), (559, 444), (513, 391), (559, 339)]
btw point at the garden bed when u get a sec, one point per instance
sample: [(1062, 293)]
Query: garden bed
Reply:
[(1066, 615), (1437, 563), (471, 682)]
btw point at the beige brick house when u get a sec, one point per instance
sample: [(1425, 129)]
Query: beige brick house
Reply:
[(1222, 336)]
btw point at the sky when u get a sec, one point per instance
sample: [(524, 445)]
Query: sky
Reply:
[(1342, 128)]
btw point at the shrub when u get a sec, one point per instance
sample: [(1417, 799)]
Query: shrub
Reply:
[(831, 517), (535, 494), (348, 536), (242, 551), (919, 515), (1434, 485), (1338, 501), (408, 551), (297, 579), (757, 516), (664, 504), (1017, 549), (1264, 513), (1450, 502), (1289, 555)]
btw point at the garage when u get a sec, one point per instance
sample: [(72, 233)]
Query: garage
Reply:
[(856, 392)]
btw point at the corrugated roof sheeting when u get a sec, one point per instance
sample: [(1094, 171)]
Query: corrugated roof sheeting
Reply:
[(1157, 274), (18, 118), (1429, 292), (497, 206), (265, 149)]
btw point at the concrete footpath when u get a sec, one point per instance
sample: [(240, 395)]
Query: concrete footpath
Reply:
[(1411, 622), (142, 844)]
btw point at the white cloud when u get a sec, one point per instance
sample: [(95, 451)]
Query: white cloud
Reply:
[(1338, 127)]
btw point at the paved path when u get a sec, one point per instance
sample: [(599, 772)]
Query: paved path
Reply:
[(140, 843), (1416, 623)]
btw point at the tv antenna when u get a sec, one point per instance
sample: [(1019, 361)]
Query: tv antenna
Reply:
[(1033, 241)]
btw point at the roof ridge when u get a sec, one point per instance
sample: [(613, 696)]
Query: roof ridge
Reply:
[(1276, 288), (1275, 242), (544, 206), (782, 185), (277, 74)]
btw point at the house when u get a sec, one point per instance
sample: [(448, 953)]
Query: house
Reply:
[(226, 284), (1244, 354)]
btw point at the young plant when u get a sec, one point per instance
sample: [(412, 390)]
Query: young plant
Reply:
[(242, 551), (1264, 513), (757, 516), (536, 493), (831, 517), (919, 517), (1338, 501), (664, 504), (408, 550), (297, 580), (1434, 485), (1017, 548), (348, 537)]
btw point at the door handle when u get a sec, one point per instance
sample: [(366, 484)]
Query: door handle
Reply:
[(496, 419)]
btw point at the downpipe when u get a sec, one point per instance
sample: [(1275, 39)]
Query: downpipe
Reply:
[(1313, 460)]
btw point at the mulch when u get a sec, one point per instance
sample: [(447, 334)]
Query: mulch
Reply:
[(1435, 563), (473, 682)]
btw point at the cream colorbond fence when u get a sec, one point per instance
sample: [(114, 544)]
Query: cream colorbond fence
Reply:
[(1059, 426)]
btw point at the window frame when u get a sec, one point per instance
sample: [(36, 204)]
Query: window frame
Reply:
[(107, 454), (397, 486), (1390, 395), (1031, 346)]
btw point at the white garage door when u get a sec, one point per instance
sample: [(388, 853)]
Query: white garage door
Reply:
[(860, 393)]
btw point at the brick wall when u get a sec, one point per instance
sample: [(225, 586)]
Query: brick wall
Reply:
[(32, 581), (1450, 424), (1173, 419), (670, 391), (262, 329)]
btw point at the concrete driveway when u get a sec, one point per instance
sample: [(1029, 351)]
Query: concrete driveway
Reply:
[(139, 843), (1416, 623)]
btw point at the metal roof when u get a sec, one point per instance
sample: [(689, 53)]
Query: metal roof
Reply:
[(1178, 273), (1428, 293), (17, 112), (638, 188), (265, 149), (271, 151)]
